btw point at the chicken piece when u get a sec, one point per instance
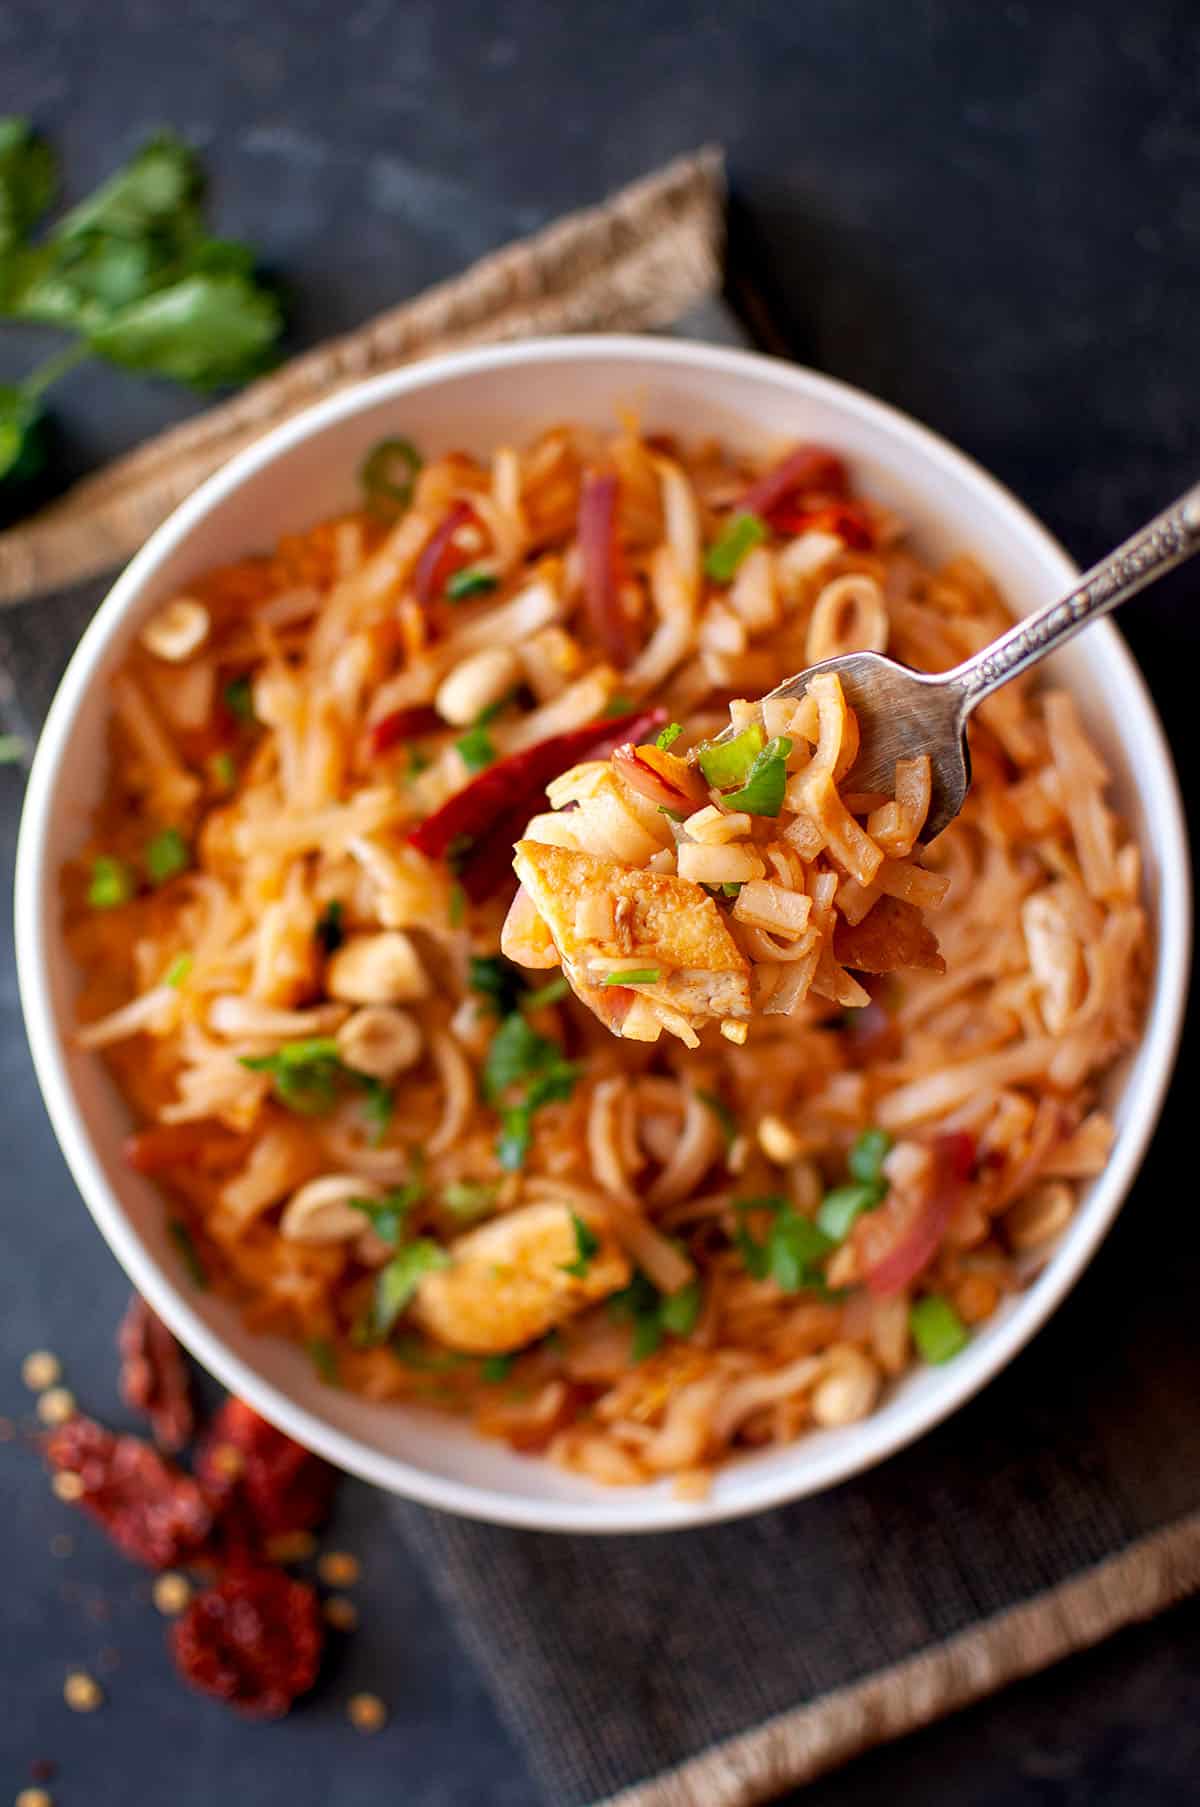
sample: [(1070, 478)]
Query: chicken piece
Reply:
[(509, 1282), (658, 922)]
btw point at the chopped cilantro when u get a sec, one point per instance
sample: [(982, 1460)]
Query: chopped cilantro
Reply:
[(669, 736), (329, 931), (495, 1369), (654, 1314), (379, 1103), (396, 1283), (732, 889), (519, 1056), (304, 1073), (323, 1356), (181, 1236), (587, 1247), (223, 770), (112, 883), (868, 1154), (470, 581), (167, 855), (840, 1209), (476, 749), (496, 980), (389, 1215), (239, 699), (791, 1250)]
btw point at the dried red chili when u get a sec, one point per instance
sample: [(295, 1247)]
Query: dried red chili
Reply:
[(149, 1507), (259, 1482), (154, 1375), (475, 829), (253, 1640)]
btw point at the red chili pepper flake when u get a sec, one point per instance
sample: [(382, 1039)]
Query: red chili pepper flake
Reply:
[(152, 1510), (403, 724), (259, 1482), (442, 555), (849, 520), (254, 1640), (154, 1376)]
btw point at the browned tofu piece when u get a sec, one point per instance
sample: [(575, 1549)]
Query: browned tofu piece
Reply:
[(658, 921), (890, 936)]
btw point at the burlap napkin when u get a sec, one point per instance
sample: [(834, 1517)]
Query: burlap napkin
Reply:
[(716, 1668)]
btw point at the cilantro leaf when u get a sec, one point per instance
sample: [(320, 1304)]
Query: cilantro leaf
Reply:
[(476, 749), (587, 1247), (304, 1073), (669, 736), (28, 177), (388, 1215), (396, 1283), (207, 330), (517, 1052), (653, 1314), (379, 1104), (495, 1369), (496, 980), (792, 1250)]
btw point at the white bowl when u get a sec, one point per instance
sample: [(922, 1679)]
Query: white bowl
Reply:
[(305, 470)]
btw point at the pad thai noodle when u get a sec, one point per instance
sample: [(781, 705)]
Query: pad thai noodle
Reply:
[(857, 1082)]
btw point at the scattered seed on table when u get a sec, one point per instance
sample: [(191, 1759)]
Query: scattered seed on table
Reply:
[(56, 1406), (67, 1485), (172, 1593), (341, 1613), (40, 1370), (82, 1693), (366, 1712), (338, 1568)]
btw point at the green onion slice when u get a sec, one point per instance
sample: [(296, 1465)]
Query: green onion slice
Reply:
[(726, 762), (937, 1329), (388, 473), (762, 793), (730, 547), (470, 581), (112, 883), (642, 975)]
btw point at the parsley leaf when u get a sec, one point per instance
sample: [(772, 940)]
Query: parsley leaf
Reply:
[(587, 1247)]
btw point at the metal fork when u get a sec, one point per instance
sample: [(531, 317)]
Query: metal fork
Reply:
[(904, 713)]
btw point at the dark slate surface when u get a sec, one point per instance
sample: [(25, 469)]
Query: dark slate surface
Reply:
[(989, 215)]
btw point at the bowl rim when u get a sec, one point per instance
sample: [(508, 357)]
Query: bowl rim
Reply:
[(877, 1437)]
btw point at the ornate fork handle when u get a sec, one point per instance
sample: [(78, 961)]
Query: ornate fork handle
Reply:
[(1165, 541)]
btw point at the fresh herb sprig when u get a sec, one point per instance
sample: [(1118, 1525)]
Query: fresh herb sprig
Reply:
[(133, 272)]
